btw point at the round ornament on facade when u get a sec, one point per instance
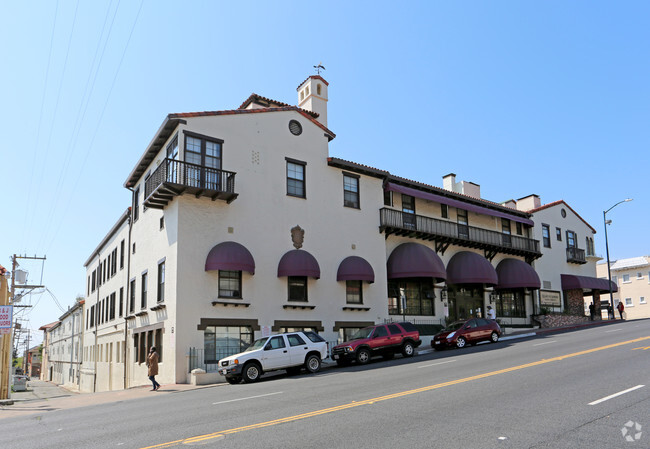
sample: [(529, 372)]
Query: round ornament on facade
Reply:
[(295, 127), (563, 212)]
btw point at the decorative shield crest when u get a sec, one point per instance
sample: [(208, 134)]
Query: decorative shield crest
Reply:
[(297, 236)]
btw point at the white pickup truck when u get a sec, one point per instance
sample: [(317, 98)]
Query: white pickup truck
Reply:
[(291, 351)]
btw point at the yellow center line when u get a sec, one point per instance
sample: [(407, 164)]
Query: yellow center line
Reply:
[(337, 408)]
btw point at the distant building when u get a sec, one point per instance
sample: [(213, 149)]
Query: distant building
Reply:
[(632, 276), (34, 361), (61, 348)]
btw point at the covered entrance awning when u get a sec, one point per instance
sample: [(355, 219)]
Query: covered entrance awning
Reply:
[(467, 267), (413, 260), (355, 268), (230, 256), (515, 273), (298, 263), (586, 283)]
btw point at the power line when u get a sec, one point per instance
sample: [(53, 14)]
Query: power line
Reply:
[(90, 146), (38, 129), (81, 114)]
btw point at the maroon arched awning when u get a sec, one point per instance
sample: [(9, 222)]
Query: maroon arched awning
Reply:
[(230, 256), (515, 273), (413, 260), (298, 263), (574, 282), (467, 267), (355, 268)]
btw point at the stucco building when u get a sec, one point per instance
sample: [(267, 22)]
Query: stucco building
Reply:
[(242, 225), (632, 277)]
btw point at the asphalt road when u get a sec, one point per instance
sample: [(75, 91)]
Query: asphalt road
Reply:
[(546, 392)]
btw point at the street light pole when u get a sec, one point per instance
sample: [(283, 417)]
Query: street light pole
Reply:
[(609, 272)]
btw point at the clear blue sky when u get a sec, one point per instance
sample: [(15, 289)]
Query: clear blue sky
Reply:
[(550, 98)]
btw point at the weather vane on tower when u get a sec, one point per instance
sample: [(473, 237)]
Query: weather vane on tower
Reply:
[(319, 67)]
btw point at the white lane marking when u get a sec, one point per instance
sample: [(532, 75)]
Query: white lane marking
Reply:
[(545, 343), (611, 396), (434, 364), (614, 330), (250, 397)]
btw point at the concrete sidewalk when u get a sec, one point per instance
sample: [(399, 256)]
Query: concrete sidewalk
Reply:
[(43, 396)]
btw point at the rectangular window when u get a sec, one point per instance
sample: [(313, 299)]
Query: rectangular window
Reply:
[(223, 341), (505, 230), (298, 288), (615, 279), (121, 309), (353, 292), (159, 345), (408, 212), (388, 198), (351, 191), (520, 230), (93, 278), (132, 296), (626, 278), (642, 300), (230, 284), (143, 291), (136, 204), (639, 275), (411, 297), (122, 254), (628, 302), (296, 179), (160, 297), (546, 236), (162, 223), (463, 223), (571, 238), (112, 306), (92, 315), (511, 304), (204, 155), (558, 234), (444, 211)]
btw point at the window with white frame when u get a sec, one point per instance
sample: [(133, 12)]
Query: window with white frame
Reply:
[(628, 302), (642, 300), (639, 275), (626, 278)]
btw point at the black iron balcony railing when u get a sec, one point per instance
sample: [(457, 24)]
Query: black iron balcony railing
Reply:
[(447, 232), (173, 177), (575, 255)]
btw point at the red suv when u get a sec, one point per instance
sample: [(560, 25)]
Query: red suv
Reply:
[(381, 339), (461, 333)]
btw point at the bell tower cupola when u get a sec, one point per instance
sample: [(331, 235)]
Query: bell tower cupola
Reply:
[(312, 95)]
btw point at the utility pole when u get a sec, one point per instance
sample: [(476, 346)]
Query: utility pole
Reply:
[(12, 301)]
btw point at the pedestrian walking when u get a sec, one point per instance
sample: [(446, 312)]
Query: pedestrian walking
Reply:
[(152, 363), (491, 314), (591, 311), (620, 308)]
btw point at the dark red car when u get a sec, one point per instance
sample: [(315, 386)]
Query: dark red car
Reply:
[(380, 340), (461, 333)]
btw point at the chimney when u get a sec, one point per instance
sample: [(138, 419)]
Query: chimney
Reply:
[(312, 96), (529, 202), (449, 182), (463, 187)]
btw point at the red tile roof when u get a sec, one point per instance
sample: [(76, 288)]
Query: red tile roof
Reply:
[(47, 326), (313, 77), (556, 203), (440, 190)]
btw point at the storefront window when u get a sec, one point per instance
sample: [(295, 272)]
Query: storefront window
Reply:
[(417, 295), (511, 304), (224, 341)]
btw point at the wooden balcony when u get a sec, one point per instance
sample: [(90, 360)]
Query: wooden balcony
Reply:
[(445, 233), (576, 255), (173, 178)]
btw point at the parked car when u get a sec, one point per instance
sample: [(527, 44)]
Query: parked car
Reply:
[(290, 351), (461, 333), (382, 339)]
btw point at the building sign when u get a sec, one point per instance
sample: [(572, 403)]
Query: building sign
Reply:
[(550, 298), (6, 316)]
